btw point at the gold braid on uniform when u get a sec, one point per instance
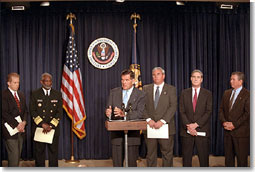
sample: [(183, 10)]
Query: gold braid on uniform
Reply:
[(37, 120), (54, 122)]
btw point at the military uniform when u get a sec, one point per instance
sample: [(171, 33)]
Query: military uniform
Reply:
[(46, 109)]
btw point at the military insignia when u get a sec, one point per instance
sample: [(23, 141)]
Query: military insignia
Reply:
[(54, 122), (39, 100), (103, 53), (54, 101), (39, 104), (37, 120)]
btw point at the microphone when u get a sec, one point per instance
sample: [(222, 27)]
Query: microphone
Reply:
[(123, 107), (129, 107)]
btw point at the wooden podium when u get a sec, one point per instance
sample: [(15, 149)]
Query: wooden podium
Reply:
[(125, 126)]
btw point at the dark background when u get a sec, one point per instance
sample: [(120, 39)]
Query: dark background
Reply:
[(177, 38)]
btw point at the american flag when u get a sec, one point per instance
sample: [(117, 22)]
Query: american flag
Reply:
[(71, 88)]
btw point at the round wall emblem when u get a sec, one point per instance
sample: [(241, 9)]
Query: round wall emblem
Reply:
[(103, 53)]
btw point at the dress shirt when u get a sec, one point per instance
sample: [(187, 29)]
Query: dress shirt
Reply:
[(45, 91), (154, 91), (14, 92), (129, 92), (236, 94), (193, 92)]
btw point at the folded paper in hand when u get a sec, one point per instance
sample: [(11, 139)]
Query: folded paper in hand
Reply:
[(41, 137), (161, 133), (13, 131), (198, 133)]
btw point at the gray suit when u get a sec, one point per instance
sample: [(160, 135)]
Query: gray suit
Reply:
[(165, 110), (201, 116), (136, 100)]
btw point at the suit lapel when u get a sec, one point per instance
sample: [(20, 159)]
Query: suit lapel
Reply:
[(13, 99), (200, 98), (21, 101), (119, 96), (238, 99), (132, 97), (190, 104), (162, 95)]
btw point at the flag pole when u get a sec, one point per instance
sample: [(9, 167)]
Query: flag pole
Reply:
[(71, 16), (135, 66)]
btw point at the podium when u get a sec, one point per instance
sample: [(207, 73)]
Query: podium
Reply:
[(125, 126)]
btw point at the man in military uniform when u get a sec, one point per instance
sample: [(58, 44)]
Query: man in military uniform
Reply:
[(46, 111)]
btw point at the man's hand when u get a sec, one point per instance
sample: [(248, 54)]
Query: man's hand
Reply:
[(118, 112), (193, 132), (46, 128), (151, 123), (228, 126), (21, 126), (192, 126), (108, 111), (158, 124)]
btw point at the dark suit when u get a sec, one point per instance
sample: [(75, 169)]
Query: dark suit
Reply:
[(236, 141), (9, 112), (201, 116), (136, 100), (46, 109), (165, 110)]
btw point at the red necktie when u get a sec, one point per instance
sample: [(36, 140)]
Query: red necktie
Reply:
[(17, 101), (195, 100)]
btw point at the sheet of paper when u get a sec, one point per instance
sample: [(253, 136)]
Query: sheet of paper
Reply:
[(13, 131), (10, 129), (198, 133), (41, 137), (18, 119), (161, 133)]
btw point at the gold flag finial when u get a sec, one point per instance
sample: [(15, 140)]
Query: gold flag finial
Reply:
[(71, 16), (135, 16)]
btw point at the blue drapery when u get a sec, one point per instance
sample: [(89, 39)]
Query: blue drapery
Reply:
[(177, 38)]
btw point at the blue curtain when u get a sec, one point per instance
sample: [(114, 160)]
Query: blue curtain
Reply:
[(177, 38)]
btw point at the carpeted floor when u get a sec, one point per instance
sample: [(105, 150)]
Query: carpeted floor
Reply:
[(214, 161)]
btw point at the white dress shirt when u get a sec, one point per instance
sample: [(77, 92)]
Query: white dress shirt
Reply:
[(45, 91), (193, 92), (154, 91), (14, 92)]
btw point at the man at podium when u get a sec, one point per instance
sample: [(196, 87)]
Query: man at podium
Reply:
[(125, 102)]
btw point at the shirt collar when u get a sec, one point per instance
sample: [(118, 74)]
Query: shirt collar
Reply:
[(45, 91), (12, 91), (238, 89), (130, 89), (160, 85)]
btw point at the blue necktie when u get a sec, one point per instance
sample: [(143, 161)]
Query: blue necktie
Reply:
[(125, 98)]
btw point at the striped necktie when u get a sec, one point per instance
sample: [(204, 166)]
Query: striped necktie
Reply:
[(17, 101), (195, 100)]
